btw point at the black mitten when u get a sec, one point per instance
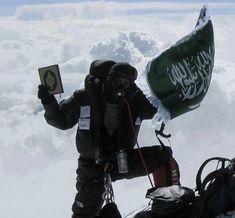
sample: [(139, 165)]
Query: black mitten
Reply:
[(44, 95), (92, 85)]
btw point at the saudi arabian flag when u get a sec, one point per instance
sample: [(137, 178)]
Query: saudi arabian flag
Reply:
[(179, 78)]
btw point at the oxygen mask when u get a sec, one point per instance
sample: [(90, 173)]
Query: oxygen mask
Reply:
[(119, 86)]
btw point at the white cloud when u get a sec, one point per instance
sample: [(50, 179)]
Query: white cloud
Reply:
[(88, 10), (147, 45), (119, 49), (129, 47), (104, 9)]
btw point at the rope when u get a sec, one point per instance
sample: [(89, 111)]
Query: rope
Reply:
[(108, 195), (140, 153), (142, 208)]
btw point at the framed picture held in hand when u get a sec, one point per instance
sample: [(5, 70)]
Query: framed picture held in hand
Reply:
[(50, 77)]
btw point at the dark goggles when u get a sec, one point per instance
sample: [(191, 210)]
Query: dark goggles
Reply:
[(121, 83)]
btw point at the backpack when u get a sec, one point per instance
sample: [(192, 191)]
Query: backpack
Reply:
[(100, 68), (171, 201), (98, 73), (217, 190), (214, 195)]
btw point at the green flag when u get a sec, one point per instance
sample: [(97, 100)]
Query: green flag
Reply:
[(179, 77)]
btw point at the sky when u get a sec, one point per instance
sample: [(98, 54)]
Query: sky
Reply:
[(7, 7), (37, 161)]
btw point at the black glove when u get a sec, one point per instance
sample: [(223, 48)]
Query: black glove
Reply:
[(92, 85), (44, 95)]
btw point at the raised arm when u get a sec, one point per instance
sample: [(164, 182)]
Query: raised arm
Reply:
[(145, 109), (63, 115)]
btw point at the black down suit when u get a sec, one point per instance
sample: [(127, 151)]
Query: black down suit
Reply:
[(77, 110)]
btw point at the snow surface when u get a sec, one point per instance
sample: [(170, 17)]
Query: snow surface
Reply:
[(37, 161)]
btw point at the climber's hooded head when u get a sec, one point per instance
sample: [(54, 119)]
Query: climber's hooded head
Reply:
[(120, 79)]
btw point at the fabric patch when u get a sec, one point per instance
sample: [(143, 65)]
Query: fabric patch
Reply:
[(85, 111), (79, 204), (84, 123), (138, 121)]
